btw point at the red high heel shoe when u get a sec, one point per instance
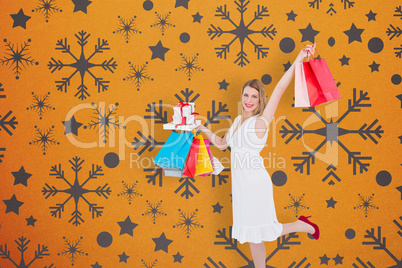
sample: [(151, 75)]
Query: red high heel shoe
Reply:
[(316, 234)]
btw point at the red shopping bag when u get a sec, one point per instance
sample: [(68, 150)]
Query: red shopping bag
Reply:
[(191, 162), (320, 82)]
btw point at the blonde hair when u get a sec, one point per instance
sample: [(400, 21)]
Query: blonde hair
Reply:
[(256, 84)]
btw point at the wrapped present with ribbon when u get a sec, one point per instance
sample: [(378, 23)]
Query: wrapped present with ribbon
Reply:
[(184, 120), (184, 109)]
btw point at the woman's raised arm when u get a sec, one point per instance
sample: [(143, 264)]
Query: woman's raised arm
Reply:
[(276, 95)]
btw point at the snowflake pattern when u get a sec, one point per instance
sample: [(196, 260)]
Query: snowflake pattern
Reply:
[(18, 57), (22, 247), (104, 121), (154, 211), (129, 191), (332, 133), (347, 4), (378, 241), (189, 65), (127, 28), (296, 204), (366, 204), (2, 90), (242, 31), (47, 8), (76, 191), (40, 104), (138, 74), (1, 154), (395, 31), (44, 139), (149, 143), (162, 22), (231, 244), (82, 65), (72, 250), (188, 184), (188, 222), (149, 265), (5, 123)]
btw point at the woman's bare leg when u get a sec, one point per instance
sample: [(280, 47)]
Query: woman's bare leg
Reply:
[(297, 226), (258, 250), (259, 254)]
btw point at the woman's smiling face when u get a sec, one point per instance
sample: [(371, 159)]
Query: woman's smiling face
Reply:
[(250, 99)]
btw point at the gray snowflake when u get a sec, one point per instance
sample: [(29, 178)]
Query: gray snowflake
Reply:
[(127, 28), (242, 31), (395, 31), (162, 22), (104, 120), (82, 65), (44, 138), (6, 123), (47, 8), (331, 10), (379, 242), (230, 244), (138, 74), (72, 250), (76, 191), (188, 222), (2, 90), (18, 57), (1, 154), (189, 65), (129, 191), (296, 204), (154, 210), (40, 104), (22, 243), (149, 265), (332, 132), (366, 204)]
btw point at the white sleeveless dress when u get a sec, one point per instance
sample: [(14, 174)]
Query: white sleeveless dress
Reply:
[(254, 215)]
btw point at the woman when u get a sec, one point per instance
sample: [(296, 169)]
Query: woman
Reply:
[(254, 216)]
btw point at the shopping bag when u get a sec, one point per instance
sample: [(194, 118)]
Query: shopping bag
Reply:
[(210, 158), (314, 90), (301, 93), (320, 83), (173, 172), (191, 162), (173, 153), (325, 79), (217, 166), (204, 164)]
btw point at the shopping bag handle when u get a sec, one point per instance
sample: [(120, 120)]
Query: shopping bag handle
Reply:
[(308, 52)]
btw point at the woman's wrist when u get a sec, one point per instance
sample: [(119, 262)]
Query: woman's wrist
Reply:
[(201, 127)]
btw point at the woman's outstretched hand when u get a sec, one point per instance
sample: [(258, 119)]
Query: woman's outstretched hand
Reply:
[(304, 52)]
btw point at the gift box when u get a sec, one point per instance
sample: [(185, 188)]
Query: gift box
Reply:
[(183, 120), (184, 109)]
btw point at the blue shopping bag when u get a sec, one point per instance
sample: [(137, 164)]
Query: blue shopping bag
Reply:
[(173, 153)]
